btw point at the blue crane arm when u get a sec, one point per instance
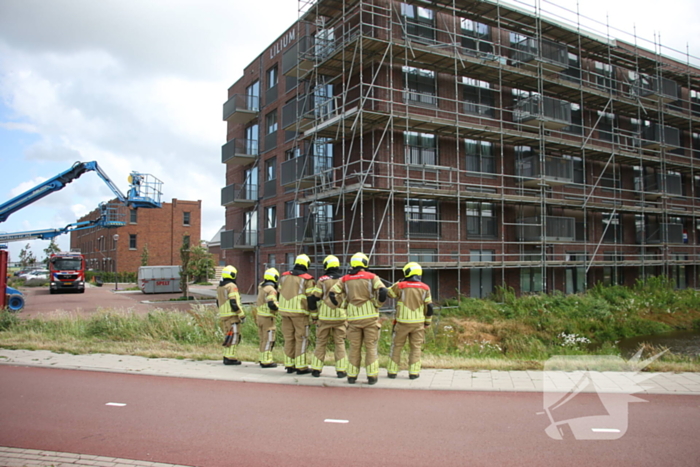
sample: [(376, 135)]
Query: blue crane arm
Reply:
[(144, 192)]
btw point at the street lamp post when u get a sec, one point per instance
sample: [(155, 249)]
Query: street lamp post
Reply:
[(115, 237)]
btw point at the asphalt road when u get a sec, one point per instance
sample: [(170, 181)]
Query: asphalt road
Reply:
[(40, 303), (218, 423)]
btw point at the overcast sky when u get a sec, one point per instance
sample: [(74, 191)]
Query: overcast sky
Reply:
[(139, 85)]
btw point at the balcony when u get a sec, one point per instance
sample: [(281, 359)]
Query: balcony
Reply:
[(270, 236), (557, 171), (239, 151), (554, 114), (298, 114), (298, 171), (663, 233), (293, 230), (245, 195), (241, 108), (651, 87), (556, 229), (239, 240), (551, 55), (297, 61), (655, 136), (658, 185)]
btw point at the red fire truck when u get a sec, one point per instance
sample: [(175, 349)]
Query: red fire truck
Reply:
[(66, 272)]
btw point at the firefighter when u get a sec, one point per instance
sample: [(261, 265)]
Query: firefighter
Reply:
[(363, 294), (414, 309), (294, 290), (330, 321), (231, 314), (267, 307)]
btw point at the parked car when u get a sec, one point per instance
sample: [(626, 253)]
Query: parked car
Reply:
[(41, 274)]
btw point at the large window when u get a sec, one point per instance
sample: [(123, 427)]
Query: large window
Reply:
[(186, 218), (606, 127), (576, 275), (422, 218), (481, 279), (133, 216), (272, 77), (479, 156), (481, 220), (251, 139), (271, 217), (613, 274), (420, 85), (252, 94), (271, 169), (478, 97), (292, 210), (531, 277), (132, 241), (271, 122), (612, 228), (476, 36), (419, 22), (605, 76), (421, 148)]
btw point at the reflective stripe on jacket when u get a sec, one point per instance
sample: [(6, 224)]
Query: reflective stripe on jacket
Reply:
[(412, 300), (266, 293), (325, 312), (293, 292), (359, 290), (224, 294)]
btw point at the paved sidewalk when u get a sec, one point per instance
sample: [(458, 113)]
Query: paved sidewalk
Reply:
[(430, 379), (14, 457)]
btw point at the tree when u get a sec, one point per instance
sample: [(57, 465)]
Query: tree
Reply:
[(185, 260), (26, 257), (201, 264), (144, 255), (49, 250)]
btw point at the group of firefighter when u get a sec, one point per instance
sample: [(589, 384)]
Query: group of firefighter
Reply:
[(341, 306)]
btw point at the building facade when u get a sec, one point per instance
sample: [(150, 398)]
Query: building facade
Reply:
[(161, 231), (493, 145)]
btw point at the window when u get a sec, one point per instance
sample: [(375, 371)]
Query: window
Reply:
[(576, 126), (292, 153), (324, 42), (573, 73), (291, 210), (291, 257), (422, 218), (481, 279), (577, 163), (271, 122), (531, 277), (695, 101), (251, 139), (250, 230), (272, 77), (421, 148), (420, 85), (476, 36), (606, 127), (132, 241), (478, 97), (185, 218), (133, 216), (252, 94), (419, 22), (611, 178), (271, 261), (576, 275), (250, 183), (605, 76), (678, 275), (186, 240), (612, 228), (322, 156), (271, 169), (323, 101), (612, 275), (479, 156), (271, 217), (322, 222), (481, 221)]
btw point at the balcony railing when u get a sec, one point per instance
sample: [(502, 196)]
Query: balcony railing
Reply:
[(244, 195), (654, 136), (557, 171), (556, 229), (293, 230), (663, 233), (297, 60), (299, 170), (241, 108), (552, 55), (657, 185), (270, 236), (239, 151), (239, 240), (654, 87), (553, 113)]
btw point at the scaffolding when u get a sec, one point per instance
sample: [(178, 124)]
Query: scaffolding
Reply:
[(491, 143)]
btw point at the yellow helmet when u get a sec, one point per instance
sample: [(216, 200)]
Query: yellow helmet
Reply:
[(331, 262), (229, 272), (412, 269), (303, 260), (272, 274), (359, 260)]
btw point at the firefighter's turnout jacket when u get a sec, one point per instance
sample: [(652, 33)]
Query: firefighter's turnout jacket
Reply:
[(294, 289), (331, 324), (267, 307), (229, 318)]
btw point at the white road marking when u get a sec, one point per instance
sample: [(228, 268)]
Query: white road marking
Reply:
[(605, 430), (332, 420), (116, 404)]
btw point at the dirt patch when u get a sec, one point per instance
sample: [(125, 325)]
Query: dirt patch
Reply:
[(470, 331)]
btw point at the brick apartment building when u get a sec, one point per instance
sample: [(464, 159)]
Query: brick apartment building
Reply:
[(495, 145), (161, 230)]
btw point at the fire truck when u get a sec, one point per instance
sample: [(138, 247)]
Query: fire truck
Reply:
[(66, 272)]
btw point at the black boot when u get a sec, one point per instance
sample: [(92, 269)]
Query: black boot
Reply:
[(231, 361), (392, 375), (290, 369), (342, 374), (268, 365), (413, 376), (305, 371), (371, 380), (351, 380), (316, 373)]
